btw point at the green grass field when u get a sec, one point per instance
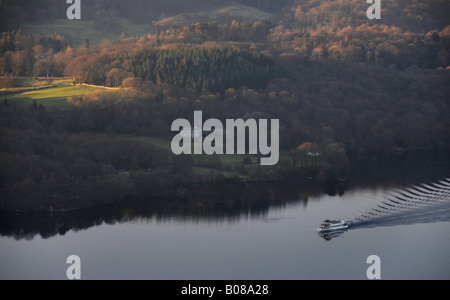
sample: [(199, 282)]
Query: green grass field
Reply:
[(52, 94), (229, 166), (226, 160), (207, 172)]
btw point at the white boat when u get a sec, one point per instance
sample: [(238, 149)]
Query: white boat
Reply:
[(332, 225)]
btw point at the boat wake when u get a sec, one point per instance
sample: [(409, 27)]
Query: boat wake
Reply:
[(425, 203), (420, 204)]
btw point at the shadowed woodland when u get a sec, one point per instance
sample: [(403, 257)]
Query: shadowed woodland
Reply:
[(340, 84)]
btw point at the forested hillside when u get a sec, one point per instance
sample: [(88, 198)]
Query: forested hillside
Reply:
[(340, 84), (413, 15), (17, 12), (212, 69)]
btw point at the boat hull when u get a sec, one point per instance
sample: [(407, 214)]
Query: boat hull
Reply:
[(337, 228)]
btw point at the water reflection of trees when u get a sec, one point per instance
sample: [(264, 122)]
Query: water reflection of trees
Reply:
[(232, 202), (213, 203)]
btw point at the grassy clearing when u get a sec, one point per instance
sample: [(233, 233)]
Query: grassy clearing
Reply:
[(52, 94), (229, 166), (226, 160), (209, 172), (23, 84), (236, 160)]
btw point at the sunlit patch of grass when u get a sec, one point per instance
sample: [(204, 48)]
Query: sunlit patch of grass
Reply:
[(51, 94)]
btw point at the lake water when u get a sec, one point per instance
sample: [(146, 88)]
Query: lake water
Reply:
[(241, 232)]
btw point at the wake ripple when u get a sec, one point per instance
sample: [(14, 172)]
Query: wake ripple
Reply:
[(425, 203)]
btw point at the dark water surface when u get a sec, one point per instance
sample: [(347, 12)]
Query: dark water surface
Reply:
[(240, 231)]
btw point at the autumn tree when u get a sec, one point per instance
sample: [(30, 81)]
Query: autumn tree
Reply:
[(6, 81)]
